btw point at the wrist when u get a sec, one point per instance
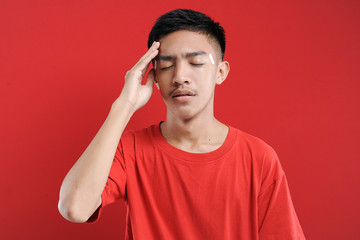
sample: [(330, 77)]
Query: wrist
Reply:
[(123, 105)]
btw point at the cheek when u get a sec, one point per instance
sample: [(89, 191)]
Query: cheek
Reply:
[(207, 74), (164, 85), (163, 75)]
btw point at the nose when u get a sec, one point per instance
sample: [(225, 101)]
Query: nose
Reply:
[(181, 75)]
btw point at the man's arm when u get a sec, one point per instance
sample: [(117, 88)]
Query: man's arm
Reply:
[(80, 193)]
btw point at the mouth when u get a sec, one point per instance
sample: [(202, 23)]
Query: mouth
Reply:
[(182, 95)]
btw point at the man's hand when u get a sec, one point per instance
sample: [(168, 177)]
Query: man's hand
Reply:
[(134, 93)]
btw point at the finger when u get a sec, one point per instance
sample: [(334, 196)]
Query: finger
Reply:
[(150, 78), (143, 71), (147, 57), (155, 46)]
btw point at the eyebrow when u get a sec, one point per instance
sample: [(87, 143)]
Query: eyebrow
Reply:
[(187, 55)]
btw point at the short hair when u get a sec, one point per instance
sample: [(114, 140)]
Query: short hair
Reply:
[(186, 19)]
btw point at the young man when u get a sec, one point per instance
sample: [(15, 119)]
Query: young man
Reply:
[(191, 176)]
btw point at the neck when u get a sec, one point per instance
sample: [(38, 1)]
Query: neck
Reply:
[(201, 134)]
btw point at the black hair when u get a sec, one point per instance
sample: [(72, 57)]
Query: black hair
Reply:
[(186, 19)]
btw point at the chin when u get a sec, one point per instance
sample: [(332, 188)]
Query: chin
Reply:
[(184, 114)]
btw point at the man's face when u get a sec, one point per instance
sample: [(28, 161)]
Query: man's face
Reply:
[(187, 70)]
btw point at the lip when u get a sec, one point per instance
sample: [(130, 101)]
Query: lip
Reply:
[(182, 95), (182, 92)]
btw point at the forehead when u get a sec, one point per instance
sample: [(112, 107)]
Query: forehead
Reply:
[(184, 41)]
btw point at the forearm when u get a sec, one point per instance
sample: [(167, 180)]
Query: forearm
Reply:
[(80, 193), (82, 187)]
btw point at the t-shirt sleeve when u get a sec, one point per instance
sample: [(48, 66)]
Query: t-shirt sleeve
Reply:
[(115, 187), (276, 213)]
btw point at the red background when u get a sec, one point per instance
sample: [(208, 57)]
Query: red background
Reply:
[(294, 82)]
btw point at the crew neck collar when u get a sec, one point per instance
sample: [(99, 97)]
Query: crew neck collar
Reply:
[(179, 154)]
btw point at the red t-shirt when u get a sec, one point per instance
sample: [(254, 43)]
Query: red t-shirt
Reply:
[(238, 191)]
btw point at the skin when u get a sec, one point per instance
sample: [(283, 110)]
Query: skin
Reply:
[(190, 123), (184, 64)]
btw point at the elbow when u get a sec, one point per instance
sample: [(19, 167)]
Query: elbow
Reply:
[(70, 212)]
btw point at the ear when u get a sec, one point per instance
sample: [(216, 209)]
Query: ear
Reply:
[(222, 72), (156, 83)]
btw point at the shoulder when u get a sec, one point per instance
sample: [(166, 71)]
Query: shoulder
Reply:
[(261, 156), (132, 139), (140, 133), (256, 146)]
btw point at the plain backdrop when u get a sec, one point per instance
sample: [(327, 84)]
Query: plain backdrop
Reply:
[(294, 82)]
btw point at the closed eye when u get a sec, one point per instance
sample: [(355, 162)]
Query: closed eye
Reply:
[(197, 64), (192, 64), (165, 68)]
